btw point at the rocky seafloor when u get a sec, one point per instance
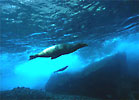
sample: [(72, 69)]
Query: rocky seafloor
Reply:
[(22, 93), (113, 78)]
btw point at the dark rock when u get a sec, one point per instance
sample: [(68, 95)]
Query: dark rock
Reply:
[(107, 79), (22, 93)]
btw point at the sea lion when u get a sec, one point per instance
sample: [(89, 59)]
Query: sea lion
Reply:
[(58, 50), (62, 69)]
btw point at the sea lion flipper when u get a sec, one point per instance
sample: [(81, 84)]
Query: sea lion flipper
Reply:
[(53, 57)]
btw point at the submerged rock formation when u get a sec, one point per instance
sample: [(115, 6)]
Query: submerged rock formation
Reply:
[(107, 79), (22, 93)]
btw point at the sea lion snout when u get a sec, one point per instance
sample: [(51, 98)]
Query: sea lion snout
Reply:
[(32, 57)]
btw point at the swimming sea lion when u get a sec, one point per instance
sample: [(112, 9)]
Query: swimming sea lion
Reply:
[(58, 50), (62, 69)]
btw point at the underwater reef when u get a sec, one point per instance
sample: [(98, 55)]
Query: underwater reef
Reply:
[(22, 93)]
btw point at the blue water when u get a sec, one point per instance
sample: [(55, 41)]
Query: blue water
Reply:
[(16, 69), (28, 27)]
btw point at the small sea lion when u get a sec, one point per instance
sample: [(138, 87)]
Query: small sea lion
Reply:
[(62, 69), (58, 50)]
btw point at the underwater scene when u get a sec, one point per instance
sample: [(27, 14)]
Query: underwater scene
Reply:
[(69, 49)]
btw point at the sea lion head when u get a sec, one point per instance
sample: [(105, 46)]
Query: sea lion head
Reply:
[(32, 57)]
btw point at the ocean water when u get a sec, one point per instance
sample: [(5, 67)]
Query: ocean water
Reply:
[(109, 27)]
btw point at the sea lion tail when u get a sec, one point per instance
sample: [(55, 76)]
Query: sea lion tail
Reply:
[(32, 57)]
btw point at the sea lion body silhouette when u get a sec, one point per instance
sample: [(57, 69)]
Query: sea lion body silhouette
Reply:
[(58, 50), (62, 69)]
